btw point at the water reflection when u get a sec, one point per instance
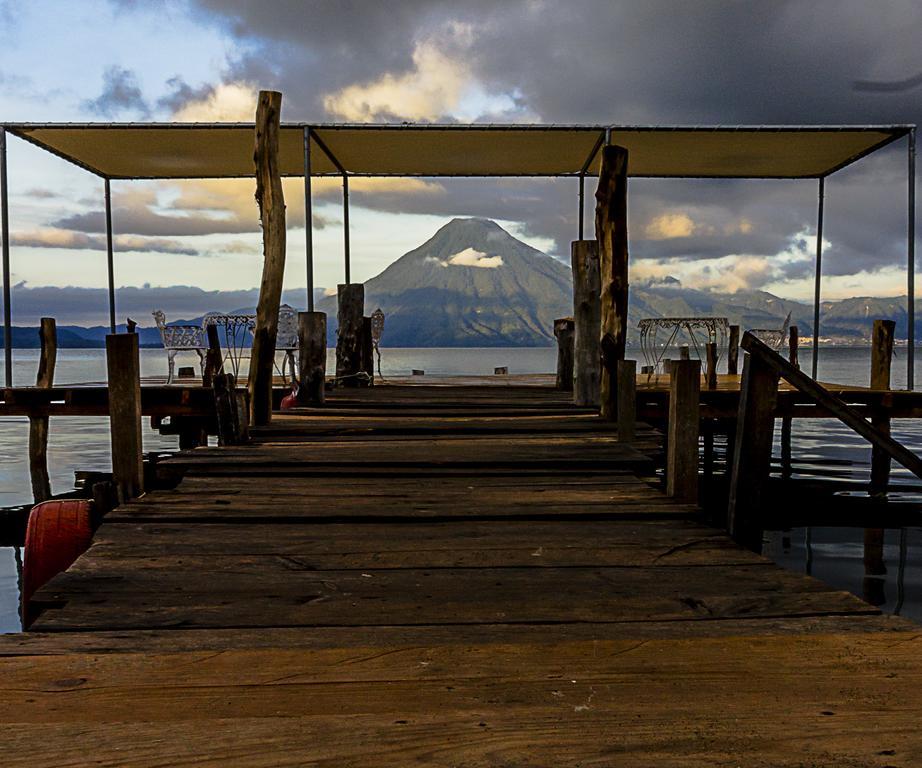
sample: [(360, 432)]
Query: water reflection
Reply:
[(882, 566)]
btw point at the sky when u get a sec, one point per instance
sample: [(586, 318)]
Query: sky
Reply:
[(183, 244)]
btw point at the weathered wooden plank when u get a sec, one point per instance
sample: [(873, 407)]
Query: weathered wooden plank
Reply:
[(268, 592)]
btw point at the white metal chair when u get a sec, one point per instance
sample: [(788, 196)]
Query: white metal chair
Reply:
[(180, 338), (286, 339)]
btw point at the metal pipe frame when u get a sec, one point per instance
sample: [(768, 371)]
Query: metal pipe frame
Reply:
[(818, 275), (346, 253), (911, 260), (5, 235), (308, 221), (582, 204), (582, 177), (110, 259)]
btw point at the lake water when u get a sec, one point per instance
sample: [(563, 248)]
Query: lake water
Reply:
[(835, 555)]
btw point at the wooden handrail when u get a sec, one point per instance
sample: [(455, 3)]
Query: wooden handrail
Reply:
[(837, 407)]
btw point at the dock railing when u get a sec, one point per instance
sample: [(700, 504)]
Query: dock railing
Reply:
[(763, 368)]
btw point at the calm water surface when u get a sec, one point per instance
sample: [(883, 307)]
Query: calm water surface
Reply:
[(835, 555)]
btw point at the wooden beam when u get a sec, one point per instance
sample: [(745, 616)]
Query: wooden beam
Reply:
[(271, 201), (627, 400), (564, 331), (124, 371), (733, 350), (881, 359), (312, 357), (752, 451), (587, 318), (834, 405), (611, 235), (349, 317), (682, 440), (38, 425)]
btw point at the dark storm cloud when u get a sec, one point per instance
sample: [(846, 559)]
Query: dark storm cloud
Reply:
[(120, 93), (707, 62), (143, 221)]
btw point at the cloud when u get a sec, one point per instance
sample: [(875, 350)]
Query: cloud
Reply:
[(669, 225), (432, 89), (60, 238), (225, 102), (120, 93), (469, 258)]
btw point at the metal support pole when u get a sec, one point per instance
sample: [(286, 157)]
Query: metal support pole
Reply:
[(346, 226), (582, 203), (109, 255), (5, 235), (819, 268), (308, 221), (911, 263)]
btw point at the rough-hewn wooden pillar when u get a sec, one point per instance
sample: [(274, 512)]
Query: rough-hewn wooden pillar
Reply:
[(611, 235), (682, 439), (752, 451), (312, 357), (38, 425), (564, 331), (271, 203), (349, 316), (587, 319), (881, 358), (124, 379), (733, 350)]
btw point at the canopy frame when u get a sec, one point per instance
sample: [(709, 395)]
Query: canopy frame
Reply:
[(312, 132)]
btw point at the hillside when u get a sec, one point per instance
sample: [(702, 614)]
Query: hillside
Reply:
[(472, 284)]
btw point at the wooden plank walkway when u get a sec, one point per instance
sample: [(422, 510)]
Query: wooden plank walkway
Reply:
[(445, 576)]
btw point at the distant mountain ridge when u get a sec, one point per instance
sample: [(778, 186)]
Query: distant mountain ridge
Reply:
[(472, 284)]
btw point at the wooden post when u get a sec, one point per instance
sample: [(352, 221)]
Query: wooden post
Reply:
[(124, 370), (564, 331), (881, 358), (38, 425), (224, 385), (684, 353), (710, 371), (312, 357), (627, 400), (351, 298), (368, 352), (587, 319), (682, 438), (611, 235), (271, 203), (214, 360), (874, 567), (787, 422), (733, 350), (752, 451)]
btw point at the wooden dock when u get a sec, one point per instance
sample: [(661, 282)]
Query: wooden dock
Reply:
[(445, 575)]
